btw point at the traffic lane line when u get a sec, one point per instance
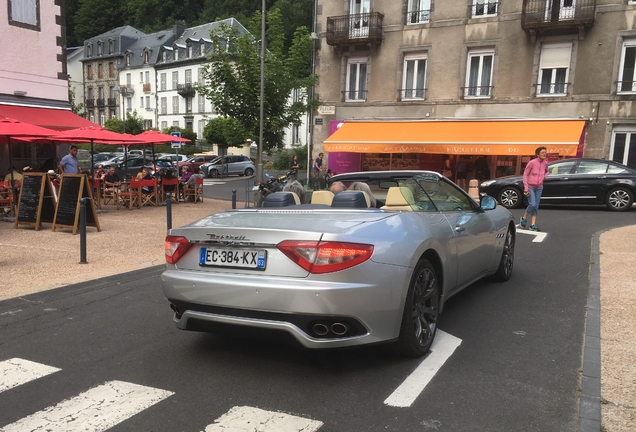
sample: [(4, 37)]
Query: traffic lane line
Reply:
[(248, 419), (443, 347), (95, 410), (538, 235), (16, 371)]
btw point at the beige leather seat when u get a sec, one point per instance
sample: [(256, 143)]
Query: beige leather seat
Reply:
[(322, 197), (399, 198)]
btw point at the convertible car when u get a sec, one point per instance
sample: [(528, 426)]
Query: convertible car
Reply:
[(340, 273)]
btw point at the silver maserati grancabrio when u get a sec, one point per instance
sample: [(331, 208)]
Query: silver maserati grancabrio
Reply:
[(339, 273)]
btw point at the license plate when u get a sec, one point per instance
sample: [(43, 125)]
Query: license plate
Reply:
[(228, 257)]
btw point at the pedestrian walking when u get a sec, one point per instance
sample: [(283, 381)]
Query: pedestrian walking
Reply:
[(69, 163), (536, 171)]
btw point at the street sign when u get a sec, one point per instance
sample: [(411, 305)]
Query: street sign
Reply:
[(327, 109), (175, 144)]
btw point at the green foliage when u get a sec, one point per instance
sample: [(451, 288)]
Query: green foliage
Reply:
[(232, 78), (284, 158), (185, 133), (225, 132), (77, 109), (134, 124)]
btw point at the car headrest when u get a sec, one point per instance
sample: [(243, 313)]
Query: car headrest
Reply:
[(281, 199), (350, 199), (322, 197), (399, 198)]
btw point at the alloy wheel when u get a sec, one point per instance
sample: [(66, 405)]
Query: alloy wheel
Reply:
[(425, 306)]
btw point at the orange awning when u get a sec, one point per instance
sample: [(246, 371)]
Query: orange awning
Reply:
[(487, 137), (51, 118)]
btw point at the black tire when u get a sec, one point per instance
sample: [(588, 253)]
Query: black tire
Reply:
[(249, 172), (510, 197), (421, 311), (619, 199), (213, 173), (506, 263)]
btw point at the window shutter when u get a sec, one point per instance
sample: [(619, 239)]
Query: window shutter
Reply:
[(555, 56)]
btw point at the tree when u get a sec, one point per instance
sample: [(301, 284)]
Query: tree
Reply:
[(232, 78), (134, 124), (225, 132), (77, 109)]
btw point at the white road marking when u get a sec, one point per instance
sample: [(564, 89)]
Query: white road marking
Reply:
[(95, 410), (13, 312), (443, 347), (248, 419), (538, 236), (16, 371)]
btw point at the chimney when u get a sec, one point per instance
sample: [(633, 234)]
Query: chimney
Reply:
[(178, 28)]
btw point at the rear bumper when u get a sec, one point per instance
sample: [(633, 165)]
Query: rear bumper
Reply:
[(371, 311)]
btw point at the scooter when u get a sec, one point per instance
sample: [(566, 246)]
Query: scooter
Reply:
[(271, 185)]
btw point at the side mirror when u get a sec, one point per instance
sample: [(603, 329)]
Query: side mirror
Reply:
[(487, 202)]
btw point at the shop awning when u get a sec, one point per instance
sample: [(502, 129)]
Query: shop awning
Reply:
[(56, 119), (487, 137)]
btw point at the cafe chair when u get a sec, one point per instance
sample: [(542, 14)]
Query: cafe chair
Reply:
[(175, 193), (196, 193), (110, 194), (97, 192), (131, 197), (149, 197)]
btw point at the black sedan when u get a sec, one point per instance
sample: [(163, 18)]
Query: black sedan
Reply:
[(572, 181)]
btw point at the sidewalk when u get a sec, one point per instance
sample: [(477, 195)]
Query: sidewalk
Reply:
[(34, 261)]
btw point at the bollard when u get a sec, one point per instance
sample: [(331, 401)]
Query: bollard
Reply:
[(473, 189), (169, 210), (233, 199), (83, 231)]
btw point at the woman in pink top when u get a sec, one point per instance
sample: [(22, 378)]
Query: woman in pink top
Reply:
[(534, 174)]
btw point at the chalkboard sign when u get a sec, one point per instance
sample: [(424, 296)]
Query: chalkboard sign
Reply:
[(36, 203), (73, 187)]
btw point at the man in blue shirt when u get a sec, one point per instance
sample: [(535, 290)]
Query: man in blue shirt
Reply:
[(69, 163)]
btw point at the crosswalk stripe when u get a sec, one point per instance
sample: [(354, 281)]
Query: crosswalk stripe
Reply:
[(249, 419), (17, 371), (95, 410), (443, 347)]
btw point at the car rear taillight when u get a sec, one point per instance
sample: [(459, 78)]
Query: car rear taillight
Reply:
[(325, 257), (176, 247)]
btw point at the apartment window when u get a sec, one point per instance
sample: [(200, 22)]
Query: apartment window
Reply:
[(188, 76), (92, 118), (25, 14), (295, 139), (100, 93), (128, 104), (100, 70), (111, 92), (90, 93), (162, 81), (128, 59), (627, 77), (553, 69), (146, 56), (128, 79), (479, 73), (201, 48), (111, 69), (483, 8), (164, 106), (111, 46), (163, 56), (147, 77), (175, 104), (201, 128), (175, 80), (102, 117), (188, 103), (623, 148), (414, 76), (141, 102), (189, 50), (175, 123), (112, 114), (201, 103), (164, 125), (356, 80), (175, 53), (419, 11), (148, 102), (89, 72), (141, 77), (89, 50), (201, 78)]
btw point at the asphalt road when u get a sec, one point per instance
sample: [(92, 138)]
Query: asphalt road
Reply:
[(516, 368)]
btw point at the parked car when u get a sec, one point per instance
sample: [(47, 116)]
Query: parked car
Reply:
[(102, 157), (572, 181), (116, 161), (133, 166), (341, 274), (197, 161), (173, 158), (229, 165), (162, 163)]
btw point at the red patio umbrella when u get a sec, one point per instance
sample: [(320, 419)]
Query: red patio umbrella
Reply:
[(10, 128), (96, 134)]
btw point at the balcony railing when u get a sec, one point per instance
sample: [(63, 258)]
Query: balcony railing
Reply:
[(147, 88), (185, 90), (112, 101), (558, 16), (90, 103), (355, 95), (355, 29), (128, 89), (477, 91), (552, 89), (101, 102), (412, 94), (418, 16)]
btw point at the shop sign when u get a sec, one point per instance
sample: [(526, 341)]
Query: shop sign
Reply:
[(327, 110)]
